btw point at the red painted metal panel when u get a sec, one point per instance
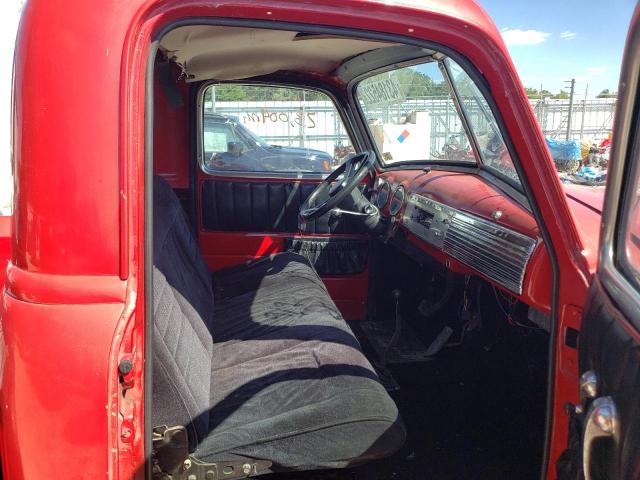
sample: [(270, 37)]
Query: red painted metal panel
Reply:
[(66, 137), (171, 136), (469, 193), (349, 292), (55, 361), (226, 249), (78, 210)]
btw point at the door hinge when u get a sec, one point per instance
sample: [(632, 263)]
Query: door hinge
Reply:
[(171, 460)]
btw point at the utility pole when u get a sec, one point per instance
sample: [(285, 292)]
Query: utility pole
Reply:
[(573, 86), (584, 110)]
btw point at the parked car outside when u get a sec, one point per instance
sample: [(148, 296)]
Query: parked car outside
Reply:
[(229, 145)]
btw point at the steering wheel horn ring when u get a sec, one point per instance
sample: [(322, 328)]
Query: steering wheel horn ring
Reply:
[(330, 193)]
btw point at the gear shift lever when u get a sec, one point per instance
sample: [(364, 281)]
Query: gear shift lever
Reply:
[(395, 294)]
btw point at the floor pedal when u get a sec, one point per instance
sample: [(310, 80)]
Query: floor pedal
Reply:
[(406, 349)]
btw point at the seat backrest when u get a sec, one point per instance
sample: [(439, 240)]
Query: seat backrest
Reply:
[(182, 314), (176, 251)]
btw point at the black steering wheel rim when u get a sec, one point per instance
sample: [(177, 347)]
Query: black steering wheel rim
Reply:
[(354, 170)]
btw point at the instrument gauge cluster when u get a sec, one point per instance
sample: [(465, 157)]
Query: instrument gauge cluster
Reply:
[(383, 194), (397, 200)]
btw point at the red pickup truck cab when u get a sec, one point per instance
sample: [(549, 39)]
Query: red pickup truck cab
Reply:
[(177, 306)]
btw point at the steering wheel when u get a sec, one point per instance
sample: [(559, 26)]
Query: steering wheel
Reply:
[(328, 195)]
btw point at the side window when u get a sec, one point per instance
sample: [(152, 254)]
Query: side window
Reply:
[(256, 128), (628, 241), (217, 137)]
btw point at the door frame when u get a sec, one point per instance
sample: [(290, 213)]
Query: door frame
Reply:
[(535, 168), (625, 148)]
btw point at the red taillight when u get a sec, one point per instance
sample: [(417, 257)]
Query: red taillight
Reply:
[(325, 165)]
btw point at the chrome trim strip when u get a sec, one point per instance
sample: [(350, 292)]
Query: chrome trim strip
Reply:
[(497, 252), (624, 154), (494, 251)]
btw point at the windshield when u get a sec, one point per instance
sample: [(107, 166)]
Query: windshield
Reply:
[(415, 114), (412, 117), (482, 123)]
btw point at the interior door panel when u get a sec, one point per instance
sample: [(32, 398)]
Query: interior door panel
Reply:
[(607, 421), (262, 206), (610, 347), (242, 219)]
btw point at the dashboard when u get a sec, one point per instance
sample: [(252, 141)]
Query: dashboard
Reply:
[(469, 225)]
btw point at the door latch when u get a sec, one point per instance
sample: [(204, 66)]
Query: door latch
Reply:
[(601, 422)]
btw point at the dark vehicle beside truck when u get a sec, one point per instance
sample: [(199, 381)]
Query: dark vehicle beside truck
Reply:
[(229, 145)]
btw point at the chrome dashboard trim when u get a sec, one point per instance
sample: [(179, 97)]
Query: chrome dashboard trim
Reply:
[(494, 251)]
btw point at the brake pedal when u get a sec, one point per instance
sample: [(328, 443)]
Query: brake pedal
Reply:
[(440, 341)]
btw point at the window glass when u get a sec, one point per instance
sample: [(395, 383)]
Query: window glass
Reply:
[(412, 117), (628, 251), (482, 123), (255, 128)]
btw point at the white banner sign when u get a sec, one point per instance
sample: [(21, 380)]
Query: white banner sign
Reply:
[(385, 90)]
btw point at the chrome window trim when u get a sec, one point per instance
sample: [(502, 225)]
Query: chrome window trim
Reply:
[(616, 282), (455, 95)]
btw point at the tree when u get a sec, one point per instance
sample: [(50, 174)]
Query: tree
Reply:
[(232, 92), (536, 94), (606, 94), (531, 92), (227, 93), (416, 84), (562, 95)]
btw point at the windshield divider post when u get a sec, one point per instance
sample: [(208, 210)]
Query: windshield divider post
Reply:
[(463, 118)]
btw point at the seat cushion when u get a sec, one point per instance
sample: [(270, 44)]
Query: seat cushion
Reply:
[(289, 382), (269, 370), (274, 297), (301, 404)]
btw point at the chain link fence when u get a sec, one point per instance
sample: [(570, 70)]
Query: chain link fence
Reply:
[(279, 122)]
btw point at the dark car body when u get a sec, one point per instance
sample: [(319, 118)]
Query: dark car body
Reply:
[(247, 151)]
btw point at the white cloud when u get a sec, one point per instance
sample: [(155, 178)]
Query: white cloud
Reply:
[(568, 35), (516, 36), (597, 70)]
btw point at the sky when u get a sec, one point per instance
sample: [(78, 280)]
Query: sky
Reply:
[(9, 16), (550, 41)]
